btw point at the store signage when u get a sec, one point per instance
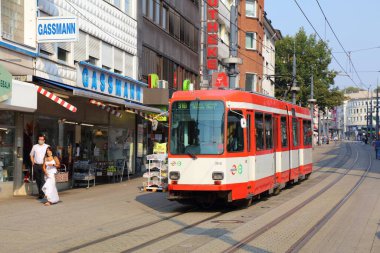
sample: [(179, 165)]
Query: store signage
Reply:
[(57, 29), (108, 83), (5, 84), (212, 34), (219, 80)]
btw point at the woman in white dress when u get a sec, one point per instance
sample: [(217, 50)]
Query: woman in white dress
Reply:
[(50, 169)]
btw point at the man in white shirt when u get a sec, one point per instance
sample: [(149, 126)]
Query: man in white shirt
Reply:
[(37, 156)]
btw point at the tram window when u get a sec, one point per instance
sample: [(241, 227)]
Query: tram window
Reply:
[(249, 133), (284, 133), (235, 139), (307, 132), (259, 125), (268, 131), (295, 132)]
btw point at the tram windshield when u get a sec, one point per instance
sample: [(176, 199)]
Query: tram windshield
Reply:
[(197, 128)]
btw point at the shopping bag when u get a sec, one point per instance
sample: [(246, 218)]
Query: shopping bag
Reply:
[(62, 176)]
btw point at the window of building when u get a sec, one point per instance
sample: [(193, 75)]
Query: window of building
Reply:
[(92, 60), (127, 6), (250, 82), (295, 129), (307, 133), (157, 11), (259, 125), (251, 8), (118, 71), (174, 24), (62, 54), (284, 133), (12, 20), (150, 9), (116, 3), (268, 131), (250, 40), (143, 7), (164, 17), (235, 137)]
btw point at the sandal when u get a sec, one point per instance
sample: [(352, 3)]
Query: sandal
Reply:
[(47, 204)]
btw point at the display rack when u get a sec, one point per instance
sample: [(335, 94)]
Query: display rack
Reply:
[(156, 175), (83, 173)]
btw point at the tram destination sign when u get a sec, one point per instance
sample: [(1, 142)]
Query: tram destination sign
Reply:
[(57, 29)]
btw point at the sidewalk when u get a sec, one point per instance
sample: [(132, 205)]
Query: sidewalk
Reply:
[(83, 214)]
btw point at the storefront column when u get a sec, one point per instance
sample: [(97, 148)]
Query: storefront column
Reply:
[(18, 182)]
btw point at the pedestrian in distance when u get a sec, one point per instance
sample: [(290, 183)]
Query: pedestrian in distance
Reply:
[(37, 156), (50, 167)]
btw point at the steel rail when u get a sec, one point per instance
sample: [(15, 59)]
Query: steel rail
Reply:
[(312, 231), (286, 215)]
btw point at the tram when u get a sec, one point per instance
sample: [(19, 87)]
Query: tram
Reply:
[(231, 145)]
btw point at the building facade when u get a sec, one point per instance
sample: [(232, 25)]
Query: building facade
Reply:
[(271, 35), (168, 34), (84, 96), (357, 116), (251, 39)]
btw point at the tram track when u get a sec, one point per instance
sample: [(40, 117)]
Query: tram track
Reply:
[(302, 241), (175, 216), (299, 244)]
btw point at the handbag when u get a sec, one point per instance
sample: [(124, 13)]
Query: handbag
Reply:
[(62, 176)]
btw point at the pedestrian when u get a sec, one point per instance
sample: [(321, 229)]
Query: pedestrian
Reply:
[(37, 156), (50, 166)]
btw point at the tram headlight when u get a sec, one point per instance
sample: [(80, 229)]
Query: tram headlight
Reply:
[(217, 175), (174, 175)]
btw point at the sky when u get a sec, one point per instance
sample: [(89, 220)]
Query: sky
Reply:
[(356, 24)]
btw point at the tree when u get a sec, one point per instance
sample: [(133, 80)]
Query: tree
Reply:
[(313, 57)]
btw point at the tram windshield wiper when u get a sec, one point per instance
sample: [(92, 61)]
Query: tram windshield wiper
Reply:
[(191, 154)]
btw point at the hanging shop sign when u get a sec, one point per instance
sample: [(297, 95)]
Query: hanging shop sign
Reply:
[(105, 82), (5, 84), (212, 34), (57, 29), (219, 80)]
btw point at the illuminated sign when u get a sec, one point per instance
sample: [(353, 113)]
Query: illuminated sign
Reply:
[(212, 34)]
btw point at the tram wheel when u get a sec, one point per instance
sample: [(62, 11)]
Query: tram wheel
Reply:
[(307, 176), (276, 191)]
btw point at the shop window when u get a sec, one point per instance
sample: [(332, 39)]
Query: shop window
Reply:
[(235, 134), (7, 164), (92, 60), (259, 125), (7, 118), (284, 132)]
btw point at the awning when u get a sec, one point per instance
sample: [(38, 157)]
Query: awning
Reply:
[(93, 95), (105, 107), (56, 99)]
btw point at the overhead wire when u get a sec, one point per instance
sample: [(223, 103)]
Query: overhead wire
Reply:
[(340, 43), (315, 30)]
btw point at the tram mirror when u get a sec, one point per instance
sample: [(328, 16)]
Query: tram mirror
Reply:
[(243, 123), (154, 125)]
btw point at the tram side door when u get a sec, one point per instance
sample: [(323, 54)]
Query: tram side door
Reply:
[(294, 148), (251, 147)]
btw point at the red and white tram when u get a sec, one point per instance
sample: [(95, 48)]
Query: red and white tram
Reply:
[(234, 145)]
